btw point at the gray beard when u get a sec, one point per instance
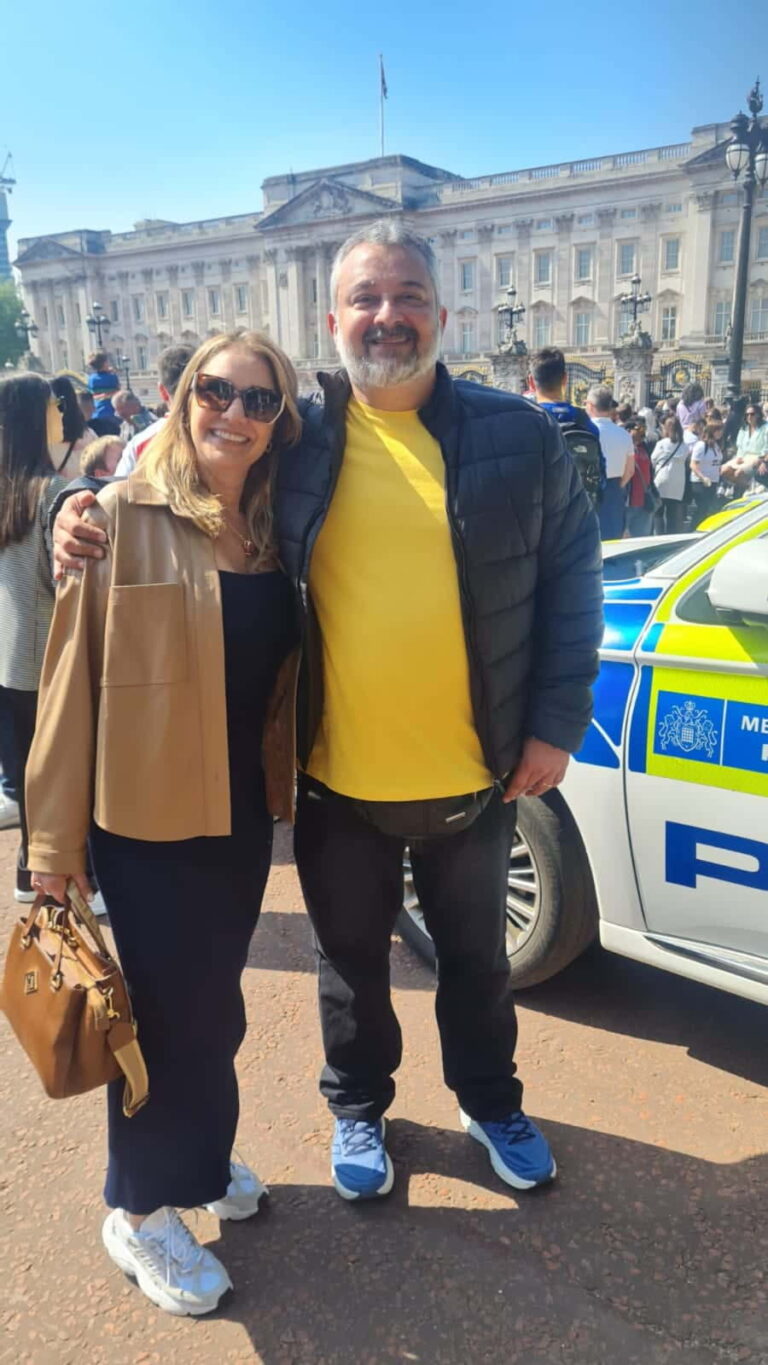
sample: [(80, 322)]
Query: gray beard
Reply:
[(387, 374)]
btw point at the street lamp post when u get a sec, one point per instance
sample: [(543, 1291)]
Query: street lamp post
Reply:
[(747, 155), (512, 313), (98, 322), (125, 365), (635, 303), (25, 328)]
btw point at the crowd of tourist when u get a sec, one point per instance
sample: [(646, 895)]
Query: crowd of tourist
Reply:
[(664, 469)]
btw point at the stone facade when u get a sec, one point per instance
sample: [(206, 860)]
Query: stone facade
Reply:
[(568, 236)]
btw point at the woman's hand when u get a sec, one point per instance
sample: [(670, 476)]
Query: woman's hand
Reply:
[(55, 884)]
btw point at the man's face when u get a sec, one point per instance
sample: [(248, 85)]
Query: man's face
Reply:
[(387, 325)]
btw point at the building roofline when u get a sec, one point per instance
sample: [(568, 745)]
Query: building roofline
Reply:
[(396, 159)]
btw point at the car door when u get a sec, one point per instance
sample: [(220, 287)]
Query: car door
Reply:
[(696, 769)]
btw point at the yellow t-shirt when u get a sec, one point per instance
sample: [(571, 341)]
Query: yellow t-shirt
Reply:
[(397, 722)]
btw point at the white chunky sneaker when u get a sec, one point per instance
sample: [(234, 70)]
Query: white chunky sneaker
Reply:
[(9, 812), (244, 1192), (167, 1262)]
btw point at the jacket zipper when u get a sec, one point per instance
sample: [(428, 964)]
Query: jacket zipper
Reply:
[(468, 622)]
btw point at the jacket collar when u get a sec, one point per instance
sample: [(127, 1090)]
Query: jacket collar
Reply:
[(142, 492), (437, 414)]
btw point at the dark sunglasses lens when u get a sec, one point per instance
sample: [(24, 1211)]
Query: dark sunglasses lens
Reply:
[(262, 404), (214, 392)]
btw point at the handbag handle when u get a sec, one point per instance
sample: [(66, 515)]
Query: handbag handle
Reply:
[(72, 901)]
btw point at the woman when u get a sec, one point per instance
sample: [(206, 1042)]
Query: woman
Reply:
[(706, 462), (691, 407), (166, 716), (668, 460), (66, 453), (639, 516), (30, 422), (751, 450)]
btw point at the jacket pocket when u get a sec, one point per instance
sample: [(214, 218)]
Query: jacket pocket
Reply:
[(145, 637)]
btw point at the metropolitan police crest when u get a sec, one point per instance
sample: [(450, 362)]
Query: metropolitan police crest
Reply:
[(688, 728)]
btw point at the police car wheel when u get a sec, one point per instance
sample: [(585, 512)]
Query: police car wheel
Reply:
[(551, 905)]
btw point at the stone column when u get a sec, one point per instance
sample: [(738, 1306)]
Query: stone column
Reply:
[(605, 277), (227, 302), (322, 276), (486, 329), (694, 287), (255, 310), (150, 315), (53, 324), (524, 267), (448, 279), (127, 325), (174, 303), (273, 293), (509, 370), (632, 366), (294, 313), (201, 299), (563, 267)]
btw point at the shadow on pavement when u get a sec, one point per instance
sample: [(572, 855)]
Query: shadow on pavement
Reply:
[(605, 991), (635, 1255), (283, 943)]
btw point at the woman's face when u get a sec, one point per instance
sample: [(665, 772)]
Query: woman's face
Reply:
[(669, 428), (228, 443), (54, 423), (752, 415)]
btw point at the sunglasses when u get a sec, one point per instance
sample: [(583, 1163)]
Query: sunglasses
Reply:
[(60, 403), (216, 394)]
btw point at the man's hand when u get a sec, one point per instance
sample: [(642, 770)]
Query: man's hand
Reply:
[(54, 884), (541, 767), (74, 539)]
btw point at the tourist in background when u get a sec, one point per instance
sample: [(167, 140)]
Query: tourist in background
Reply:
[(100, 459), (706, 462), (669, 459), (691, 407), (30, 422), (65, 454), (751, 449), (103, 383), (639, 500), (618, 452), (171, 364)]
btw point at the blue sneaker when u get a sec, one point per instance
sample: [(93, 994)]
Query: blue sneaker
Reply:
[(519, 1153), (360, 1164)]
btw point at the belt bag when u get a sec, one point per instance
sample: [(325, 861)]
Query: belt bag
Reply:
[(67, 1002), (424, 819)]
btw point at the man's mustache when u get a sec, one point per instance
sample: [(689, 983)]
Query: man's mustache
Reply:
[(399, 333)]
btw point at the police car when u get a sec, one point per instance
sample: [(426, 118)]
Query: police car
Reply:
[(657, 841)]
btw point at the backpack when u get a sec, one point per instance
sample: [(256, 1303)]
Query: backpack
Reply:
[(584, 449)]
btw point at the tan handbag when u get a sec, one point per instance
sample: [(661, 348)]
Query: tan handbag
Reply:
[(67, 1002)]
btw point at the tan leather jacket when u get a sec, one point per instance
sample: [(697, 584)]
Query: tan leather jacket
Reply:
[(132, 722)]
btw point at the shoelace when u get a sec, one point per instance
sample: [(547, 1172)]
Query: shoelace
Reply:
[(358, 1136), (515, 1128), (177, 1242)]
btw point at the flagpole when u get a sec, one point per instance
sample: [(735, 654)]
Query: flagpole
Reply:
[(381, 102)]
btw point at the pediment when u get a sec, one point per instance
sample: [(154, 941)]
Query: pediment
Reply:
[(327, 199), (45, 250)]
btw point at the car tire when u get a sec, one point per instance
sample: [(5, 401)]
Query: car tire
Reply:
[(566, 916)]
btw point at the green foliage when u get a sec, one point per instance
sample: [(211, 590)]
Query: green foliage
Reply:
[(12, 347)]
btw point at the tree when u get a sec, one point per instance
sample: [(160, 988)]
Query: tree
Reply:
[(12, 346)]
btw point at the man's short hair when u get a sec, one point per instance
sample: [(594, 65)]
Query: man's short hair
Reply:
[(548, 368), (171, 364), (601, 398), (92, 458), (625, 412), (386, 232)]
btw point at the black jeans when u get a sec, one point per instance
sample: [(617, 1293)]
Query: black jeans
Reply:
[(352, 879), (22, 708), (671, 516)]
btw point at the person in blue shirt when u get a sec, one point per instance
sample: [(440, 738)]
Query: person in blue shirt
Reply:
[(549, 379), (103, 383)]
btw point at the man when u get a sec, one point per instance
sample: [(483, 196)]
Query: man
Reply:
[(548, 379), (131, 414), (618, 451), (171, 364), (447, 566)]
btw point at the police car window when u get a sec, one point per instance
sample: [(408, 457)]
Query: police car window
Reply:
[(696, 606)]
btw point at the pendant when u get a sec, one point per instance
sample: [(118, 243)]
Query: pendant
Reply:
[(249, 549)]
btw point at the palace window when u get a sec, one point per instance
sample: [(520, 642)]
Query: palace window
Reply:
[(542, 330), (543, 224), (162, 305), (721, 318), (60, 314), (582, 329), (671, 253), (628, 213), (466, 276), (503, 272), (626, 262), (187, 303), (214, 302), (543, 268), (467, 338), (727, 241), (138, 308), (583, 263), (758, 316), (141, 357), (114, 310), (762, 244), (585, 220), (669, 322), (241, 298)]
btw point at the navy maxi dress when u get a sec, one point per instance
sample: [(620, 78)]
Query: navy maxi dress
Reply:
[(183, 914)]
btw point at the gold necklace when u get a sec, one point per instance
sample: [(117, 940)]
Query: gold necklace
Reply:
[(249, 549)]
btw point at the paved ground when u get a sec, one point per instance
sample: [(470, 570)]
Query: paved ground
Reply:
[(650, 1248)]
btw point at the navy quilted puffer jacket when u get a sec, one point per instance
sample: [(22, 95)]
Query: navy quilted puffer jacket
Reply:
[(527, 550)]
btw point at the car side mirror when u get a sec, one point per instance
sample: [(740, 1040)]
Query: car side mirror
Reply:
[(738, 587)]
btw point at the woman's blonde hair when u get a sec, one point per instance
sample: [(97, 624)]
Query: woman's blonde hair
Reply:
[(170, 463)]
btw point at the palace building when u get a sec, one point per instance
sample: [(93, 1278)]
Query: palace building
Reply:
[(569, 237)]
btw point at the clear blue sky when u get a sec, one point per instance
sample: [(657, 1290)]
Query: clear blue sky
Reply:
[(166, 110)]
